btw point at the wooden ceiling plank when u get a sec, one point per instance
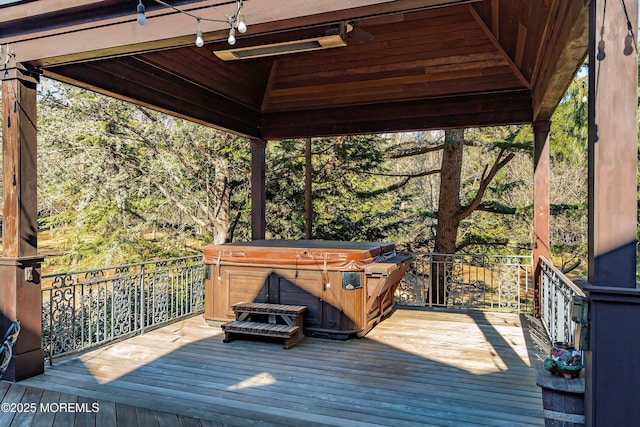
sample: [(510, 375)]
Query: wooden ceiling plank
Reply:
[(314, 81), (535, 24), (495, 19), (416, 77), (412, 40), (341, 62), (462, 61), (567, 49), (498, 46), (135, 80), (37, 8), (270, 83), (427, 25), (147, 98), (557, 32), (210, 76), (548, 33), (520, 43), (386, 93)]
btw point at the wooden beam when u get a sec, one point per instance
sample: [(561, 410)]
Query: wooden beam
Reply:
[(541, 162), (272, 76), (438, 113), (102, 38), (20, 296), (498, 46), (549, 26), (495, 19), (308, 191), (19, 155), (562, 53), (172, 96), (258, 189), (613, 140), (37, 8), (611, 393)]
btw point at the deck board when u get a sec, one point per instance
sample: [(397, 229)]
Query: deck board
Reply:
[(416, 368)]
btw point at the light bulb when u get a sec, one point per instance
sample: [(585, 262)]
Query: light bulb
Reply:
[(142, 20), (242, 27), (584, 98), (199, 39), (232, 37)]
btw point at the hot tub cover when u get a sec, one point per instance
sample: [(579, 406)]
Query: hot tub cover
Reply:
[(324, 254)]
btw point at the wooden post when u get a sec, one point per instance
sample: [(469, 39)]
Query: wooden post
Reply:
[(308, 195), (20, 296), (540, 203), (613, 144), (611, 390), (258, 189)]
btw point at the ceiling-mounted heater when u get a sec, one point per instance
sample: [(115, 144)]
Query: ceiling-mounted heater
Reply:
[(282, 48), (304, 40)]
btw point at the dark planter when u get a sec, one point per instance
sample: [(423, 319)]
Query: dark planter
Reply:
[(562, 399)]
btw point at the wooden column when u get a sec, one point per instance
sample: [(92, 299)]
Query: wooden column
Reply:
[(613, 144), (308, 194), (20, 296), (540, 202), (611, 390), (258, 189)]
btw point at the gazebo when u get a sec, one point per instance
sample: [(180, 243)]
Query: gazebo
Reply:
[(330, 67)]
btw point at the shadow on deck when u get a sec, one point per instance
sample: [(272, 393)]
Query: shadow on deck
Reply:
[(416, 368)]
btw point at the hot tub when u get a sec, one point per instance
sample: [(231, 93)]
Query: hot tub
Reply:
[(347, 287)]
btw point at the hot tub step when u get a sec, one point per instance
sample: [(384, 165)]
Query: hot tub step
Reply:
[(266, 308), (291, 334)]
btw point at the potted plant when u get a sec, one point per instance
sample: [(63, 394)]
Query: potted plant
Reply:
[(564, 360)]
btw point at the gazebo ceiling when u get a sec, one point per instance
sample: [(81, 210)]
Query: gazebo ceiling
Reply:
[(408, 65)]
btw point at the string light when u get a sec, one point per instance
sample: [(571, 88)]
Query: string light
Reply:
[(199, 39), (232, 36), (235, 21), (142, 20)]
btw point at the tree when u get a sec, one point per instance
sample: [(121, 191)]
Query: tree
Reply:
[(350, 198), (134, 183), (466, 187), (568, 195)]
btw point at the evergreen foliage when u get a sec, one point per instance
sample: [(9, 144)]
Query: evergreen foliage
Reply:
[(121, 183), (346, 172)]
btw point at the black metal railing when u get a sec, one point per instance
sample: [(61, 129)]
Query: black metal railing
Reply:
[(489, 282), (84, 309)]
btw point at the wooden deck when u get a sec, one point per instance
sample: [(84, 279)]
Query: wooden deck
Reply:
[(417, 368)]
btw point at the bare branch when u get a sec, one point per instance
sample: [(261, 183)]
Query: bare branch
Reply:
[(379, 191), (400, 175), (415, 151), (494, 207), (398, 153), (566, 267), (499, 163)]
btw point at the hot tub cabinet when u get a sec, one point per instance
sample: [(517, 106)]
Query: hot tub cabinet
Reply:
[(347, 287)]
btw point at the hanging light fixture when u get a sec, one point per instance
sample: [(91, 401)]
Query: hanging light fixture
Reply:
[(142, 20), (242, 26), (235, 21), (199, 39), (232, 36)]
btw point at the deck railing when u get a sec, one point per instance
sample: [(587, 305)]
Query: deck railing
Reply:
[(84, 309), (492, 282), (556, 294)]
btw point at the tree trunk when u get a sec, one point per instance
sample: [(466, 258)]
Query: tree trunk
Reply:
[(448, 209), (222, 200)]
